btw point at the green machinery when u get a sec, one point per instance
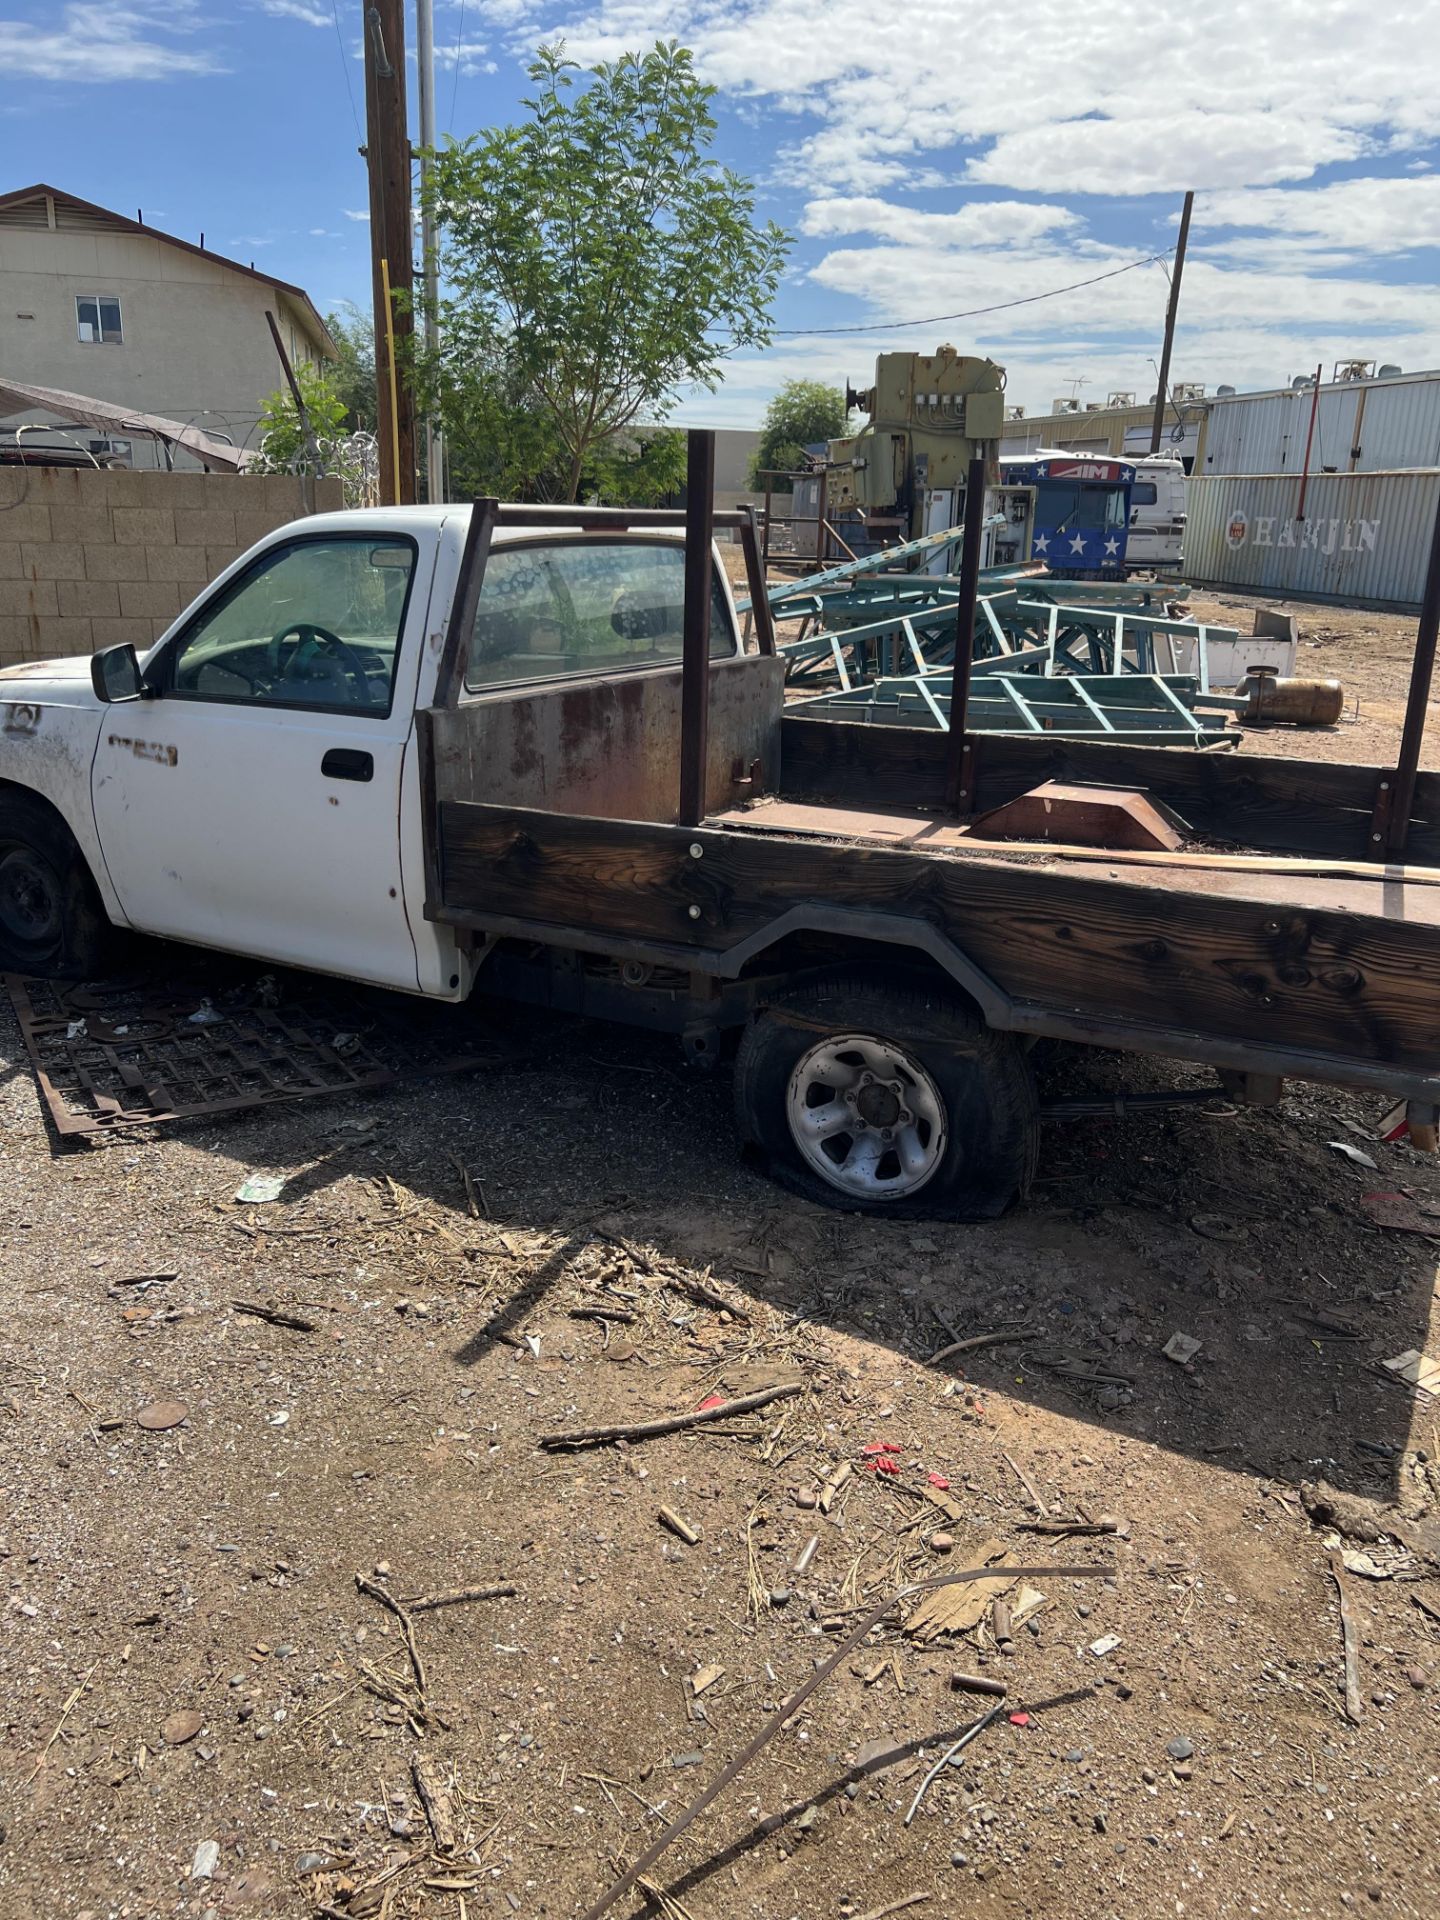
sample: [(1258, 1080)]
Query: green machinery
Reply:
[(930, 415)]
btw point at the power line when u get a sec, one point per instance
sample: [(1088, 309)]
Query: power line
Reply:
[(455, 82), (345, 69), (937, 319)]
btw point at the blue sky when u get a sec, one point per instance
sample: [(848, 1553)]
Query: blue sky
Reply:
[(920, 177)]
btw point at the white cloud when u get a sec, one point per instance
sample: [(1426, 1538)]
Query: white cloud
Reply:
[(1227, 96), (468, 55), (1001, 223), (1374, 216), (354, 213), (302, 10), (93, 44)]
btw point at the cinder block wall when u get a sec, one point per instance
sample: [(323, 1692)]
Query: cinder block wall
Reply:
[(89, 557)]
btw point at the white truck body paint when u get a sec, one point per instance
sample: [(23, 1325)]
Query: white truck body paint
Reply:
[(209, 821)]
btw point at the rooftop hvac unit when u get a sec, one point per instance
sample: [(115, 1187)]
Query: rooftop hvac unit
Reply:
[(1389, 372), (1353, 370), (1119, 399), (1223, 393), (1066, 404), (1301, 382), (1187, 390), (1014, 413)]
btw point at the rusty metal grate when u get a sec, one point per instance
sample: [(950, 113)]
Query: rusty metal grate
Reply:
[(217, 1038)]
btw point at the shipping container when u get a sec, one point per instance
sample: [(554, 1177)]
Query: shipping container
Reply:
[(1364, 539), (1361, 426)]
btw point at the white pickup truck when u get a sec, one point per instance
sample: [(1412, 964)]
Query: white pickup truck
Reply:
[(526, 749), (262, 795)]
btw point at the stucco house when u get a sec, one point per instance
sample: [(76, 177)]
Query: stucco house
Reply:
[(98, 304)]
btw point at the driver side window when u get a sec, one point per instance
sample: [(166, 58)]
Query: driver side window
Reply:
[(315, 623)]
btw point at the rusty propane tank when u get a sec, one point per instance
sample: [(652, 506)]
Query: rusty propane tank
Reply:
[(1275, 700)]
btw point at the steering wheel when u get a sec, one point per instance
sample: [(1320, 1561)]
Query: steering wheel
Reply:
[(318, 637)]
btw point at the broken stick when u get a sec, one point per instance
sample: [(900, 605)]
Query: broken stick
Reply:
[(1353, 1706), (277, 1316), (978, 1340), (407, 1627), (652, 1429), (436, 1799), (790, 1707), (458, 1597)]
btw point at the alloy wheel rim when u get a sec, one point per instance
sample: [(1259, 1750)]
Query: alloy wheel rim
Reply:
[(867, 1117)]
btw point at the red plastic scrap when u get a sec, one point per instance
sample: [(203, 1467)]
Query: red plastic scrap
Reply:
[(881, 1446), (883, 1465), (938, 1480), (711, 1400), (1019, 1719)]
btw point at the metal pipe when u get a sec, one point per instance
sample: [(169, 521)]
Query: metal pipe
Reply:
[(959, 748), (695, 653), (1402, 794), (1309, 438), (425, 60)]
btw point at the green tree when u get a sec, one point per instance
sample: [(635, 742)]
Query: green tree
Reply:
[(353, 374), (596, 261), (802, 412), (282, 440)]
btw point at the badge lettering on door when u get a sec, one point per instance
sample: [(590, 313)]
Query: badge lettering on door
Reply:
[(156, 750)]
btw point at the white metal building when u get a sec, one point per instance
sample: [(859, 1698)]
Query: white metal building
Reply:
[(1377, 425)]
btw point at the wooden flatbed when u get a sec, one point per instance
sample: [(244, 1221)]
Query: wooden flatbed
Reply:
[(1272, 943)]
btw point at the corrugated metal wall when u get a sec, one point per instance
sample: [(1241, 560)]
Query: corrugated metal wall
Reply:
[(1369, 426), (1365, 538)]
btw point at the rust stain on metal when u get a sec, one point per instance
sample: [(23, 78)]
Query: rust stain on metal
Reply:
[(161, 752)]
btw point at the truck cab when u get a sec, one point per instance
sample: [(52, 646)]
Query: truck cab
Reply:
[(257, 787), (1157, 516)]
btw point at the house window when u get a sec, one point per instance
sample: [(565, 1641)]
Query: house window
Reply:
[(97, 320)]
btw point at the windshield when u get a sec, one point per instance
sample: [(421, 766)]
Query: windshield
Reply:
[(1084, 505), (550, 609)]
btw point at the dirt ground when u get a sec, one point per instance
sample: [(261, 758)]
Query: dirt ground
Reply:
[(205, 1714)]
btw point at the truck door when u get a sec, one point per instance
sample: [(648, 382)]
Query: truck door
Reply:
[(254, 804)]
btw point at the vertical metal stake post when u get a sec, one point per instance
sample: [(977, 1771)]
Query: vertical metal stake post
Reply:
[(1391, 825), (959, 747), (695, 656)]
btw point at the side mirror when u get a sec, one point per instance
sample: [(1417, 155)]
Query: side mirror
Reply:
[(115, 674)]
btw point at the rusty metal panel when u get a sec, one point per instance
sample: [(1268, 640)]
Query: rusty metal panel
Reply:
[(610, 749), (1364, 539), (219, 1037)]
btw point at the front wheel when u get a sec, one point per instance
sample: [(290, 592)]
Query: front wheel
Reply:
[(51, 919), (879, 1097)]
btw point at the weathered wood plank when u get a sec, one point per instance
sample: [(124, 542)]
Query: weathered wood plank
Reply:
[(1348, 975), (1316, 807)]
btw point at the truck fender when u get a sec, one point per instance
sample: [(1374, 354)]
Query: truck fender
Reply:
[(891, 929)]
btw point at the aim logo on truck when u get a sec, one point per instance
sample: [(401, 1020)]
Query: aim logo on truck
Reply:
[(1326, 536)]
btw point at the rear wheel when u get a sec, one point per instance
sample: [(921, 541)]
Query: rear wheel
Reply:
[(51, 918), (879, 1097)]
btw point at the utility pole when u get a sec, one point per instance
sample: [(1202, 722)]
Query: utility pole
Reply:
[(425, 58), (1170, 312), (387, 156)]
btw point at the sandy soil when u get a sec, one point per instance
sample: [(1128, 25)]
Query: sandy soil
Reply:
[(210, 1569)]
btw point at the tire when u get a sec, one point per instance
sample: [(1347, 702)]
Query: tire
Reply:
[(964, 1136), (52, 921)]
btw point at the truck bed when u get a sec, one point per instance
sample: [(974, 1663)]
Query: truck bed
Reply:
[(1272, 965)]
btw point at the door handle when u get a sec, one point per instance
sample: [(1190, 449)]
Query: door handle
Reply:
[(348, 763)]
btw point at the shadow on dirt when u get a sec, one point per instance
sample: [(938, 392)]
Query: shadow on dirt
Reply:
[(1241, 1229)]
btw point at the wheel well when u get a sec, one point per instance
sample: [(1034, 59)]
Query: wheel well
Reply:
[(13, 790), (807, 954)]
